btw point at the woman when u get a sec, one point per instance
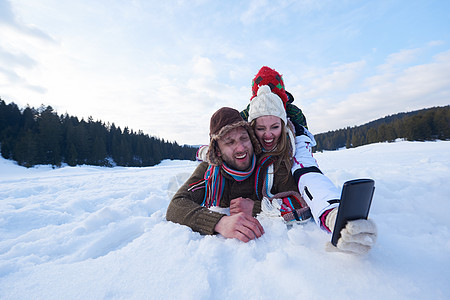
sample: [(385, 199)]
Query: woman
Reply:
[(310, 181), (267, 117)]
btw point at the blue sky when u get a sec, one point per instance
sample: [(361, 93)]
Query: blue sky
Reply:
[(165, 66)]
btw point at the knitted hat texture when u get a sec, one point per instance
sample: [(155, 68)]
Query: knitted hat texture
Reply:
[(270, 77), (266, 103)]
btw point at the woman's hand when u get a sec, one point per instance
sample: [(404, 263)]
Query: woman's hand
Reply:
[(240, 204)]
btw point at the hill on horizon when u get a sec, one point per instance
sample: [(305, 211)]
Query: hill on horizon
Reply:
[(420, 125)]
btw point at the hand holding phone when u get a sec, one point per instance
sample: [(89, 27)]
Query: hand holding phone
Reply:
[(355, 202)]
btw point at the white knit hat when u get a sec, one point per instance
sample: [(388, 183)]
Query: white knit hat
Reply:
[(266, 103)]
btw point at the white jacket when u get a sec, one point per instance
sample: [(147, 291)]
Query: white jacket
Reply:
[(318, 191)]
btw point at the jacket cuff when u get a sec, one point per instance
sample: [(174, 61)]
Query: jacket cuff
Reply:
[(207, 221), (323, 222)]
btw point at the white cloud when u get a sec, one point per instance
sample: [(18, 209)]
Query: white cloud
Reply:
[(260, 11), (400, 58), (17, 61), (436, 43), (411, 88), (165, 68), (257, 9), (203, 67), (338, 77)]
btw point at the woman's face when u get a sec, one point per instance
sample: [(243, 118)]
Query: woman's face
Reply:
[(268, 131)]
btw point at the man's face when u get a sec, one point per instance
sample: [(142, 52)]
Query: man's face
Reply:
[(236, 149)]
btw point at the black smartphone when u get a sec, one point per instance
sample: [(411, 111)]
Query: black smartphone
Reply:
[(355, 203)]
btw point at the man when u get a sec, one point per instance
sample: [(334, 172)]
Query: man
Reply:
[(226, 181)]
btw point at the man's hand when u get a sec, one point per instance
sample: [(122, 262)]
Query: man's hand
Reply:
[(239, 226), (240, 204)]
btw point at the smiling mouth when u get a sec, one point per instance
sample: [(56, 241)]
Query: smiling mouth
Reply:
[(242, 156), (269, 141)]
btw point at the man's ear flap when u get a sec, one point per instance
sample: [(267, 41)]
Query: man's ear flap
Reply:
[(216, 148)]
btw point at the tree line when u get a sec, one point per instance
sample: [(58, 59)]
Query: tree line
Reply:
[(40, 136), (421, 125)]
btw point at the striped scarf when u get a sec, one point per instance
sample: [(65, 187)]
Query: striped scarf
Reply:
[(215, 182), (264, 177)]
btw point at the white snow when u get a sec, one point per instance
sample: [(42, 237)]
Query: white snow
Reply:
[(100, 233)]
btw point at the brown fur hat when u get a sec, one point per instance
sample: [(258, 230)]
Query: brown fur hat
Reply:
[(222, 121)]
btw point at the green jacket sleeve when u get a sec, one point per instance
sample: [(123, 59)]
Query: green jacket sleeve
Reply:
[(244, 113), (296, 115), (186, 205)]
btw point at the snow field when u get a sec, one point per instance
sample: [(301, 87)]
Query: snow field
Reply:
[(100, 233)]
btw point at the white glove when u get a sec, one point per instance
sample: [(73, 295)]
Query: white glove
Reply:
[(357, 236), (271, 208)]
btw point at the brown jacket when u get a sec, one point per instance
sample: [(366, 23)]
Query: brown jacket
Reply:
[(186, 209)]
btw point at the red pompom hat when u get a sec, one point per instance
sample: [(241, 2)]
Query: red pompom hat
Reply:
[(270, 77)]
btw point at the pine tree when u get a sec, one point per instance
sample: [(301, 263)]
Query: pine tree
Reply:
[(50, 136), (99, 152), (442, 121), (40, 136), (26, 151), (72, 155)]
